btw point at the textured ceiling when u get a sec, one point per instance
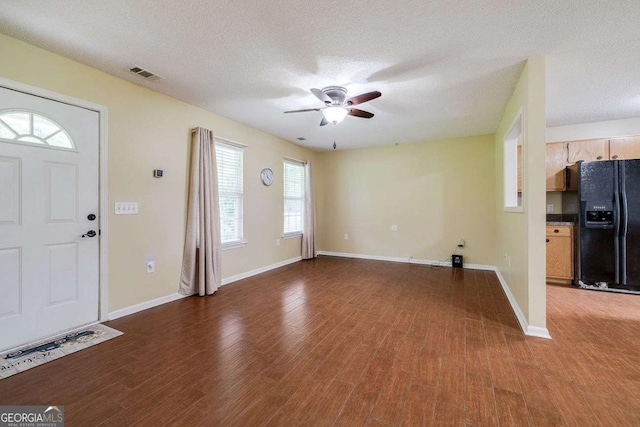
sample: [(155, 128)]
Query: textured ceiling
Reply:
[(445, 69)]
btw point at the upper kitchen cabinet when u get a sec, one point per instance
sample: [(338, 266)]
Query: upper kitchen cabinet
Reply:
[(625, 148), (590, 150), (561, 154), (519, 160), (556, 161)]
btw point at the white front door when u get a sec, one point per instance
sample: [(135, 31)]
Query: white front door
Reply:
[(48, 202)]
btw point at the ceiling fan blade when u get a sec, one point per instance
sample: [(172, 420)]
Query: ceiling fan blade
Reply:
[(321, 95), (303, 111), (324, 122), (360, 113), (355, 100)]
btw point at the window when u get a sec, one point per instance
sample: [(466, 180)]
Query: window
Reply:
[(513, 163), (293, 197), (229, 163), (29, 128)]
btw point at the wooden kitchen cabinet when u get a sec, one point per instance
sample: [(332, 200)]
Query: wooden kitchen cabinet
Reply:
[(561, 154), (519, 160), (625, 148), (560, 252), (556, 161), (590, 150)]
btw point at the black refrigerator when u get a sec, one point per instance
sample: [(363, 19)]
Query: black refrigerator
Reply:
[(608, 199)]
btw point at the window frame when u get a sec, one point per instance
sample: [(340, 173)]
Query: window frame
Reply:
[(239, 195), (514, 201), (297, 233)]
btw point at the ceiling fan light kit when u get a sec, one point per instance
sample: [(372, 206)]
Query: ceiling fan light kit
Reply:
[(338, 106), (334, 114)]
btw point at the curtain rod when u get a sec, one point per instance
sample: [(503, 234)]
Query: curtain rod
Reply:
[(238, 144), (225, 140), (291, 159)]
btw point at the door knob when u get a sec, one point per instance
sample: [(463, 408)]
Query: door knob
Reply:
[(90, 233), (91, 217)]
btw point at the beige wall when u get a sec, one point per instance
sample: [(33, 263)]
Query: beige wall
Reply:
[(148, 130), (436, 192), (604, 129), (555, 198), (520, 236)]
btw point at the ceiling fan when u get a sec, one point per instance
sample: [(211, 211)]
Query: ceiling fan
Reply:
[(338, 106)]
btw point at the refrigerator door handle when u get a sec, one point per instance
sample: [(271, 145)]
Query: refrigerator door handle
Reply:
[(616, 220), (624, 220)]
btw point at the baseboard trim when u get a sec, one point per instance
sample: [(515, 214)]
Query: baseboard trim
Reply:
[(176, 296), (406, 260), (260, 270), (145, 305), (536, 331), (533, 331)]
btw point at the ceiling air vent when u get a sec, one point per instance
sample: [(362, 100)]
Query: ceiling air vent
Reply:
[(145, 74)]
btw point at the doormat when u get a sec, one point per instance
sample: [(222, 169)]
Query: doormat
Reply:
[(41, 352)]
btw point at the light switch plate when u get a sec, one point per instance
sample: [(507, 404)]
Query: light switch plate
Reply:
[(126, 208)]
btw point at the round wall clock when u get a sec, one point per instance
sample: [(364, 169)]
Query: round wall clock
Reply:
[(266, 176)]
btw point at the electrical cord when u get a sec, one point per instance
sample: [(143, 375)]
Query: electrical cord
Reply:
[(441, 262)]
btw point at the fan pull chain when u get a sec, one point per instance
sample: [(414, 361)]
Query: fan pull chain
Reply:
[(334, 136)]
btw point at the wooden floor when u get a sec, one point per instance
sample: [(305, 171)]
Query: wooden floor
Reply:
[(353, 342)]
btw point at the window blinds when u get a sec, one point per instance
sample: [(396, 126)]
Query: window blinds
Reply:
[(293, 197), (230, 188)]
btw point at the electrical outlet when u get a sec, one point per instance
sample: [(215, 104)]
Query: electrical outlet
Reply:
[(394, 227), (461, 243), (151, 266), (346, 236), (277, 242), (550, 208)]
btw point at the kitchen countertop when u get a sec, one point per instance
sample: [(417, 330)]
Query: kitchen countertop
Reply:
[(561, 219)]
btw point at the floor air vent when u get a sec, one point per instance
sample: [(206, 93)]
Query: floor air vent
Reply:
[(145, 74)]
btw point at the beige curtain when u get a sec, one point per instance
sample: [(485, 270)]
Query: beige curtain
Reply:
[(201, 261), (309, 226)]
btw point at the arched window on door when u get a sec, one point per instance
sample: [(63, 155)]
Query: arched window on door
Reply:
[(26, 127)]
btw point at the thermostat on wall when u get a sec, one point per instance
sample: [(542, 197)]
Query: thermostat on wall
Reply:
[(157, 173)]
